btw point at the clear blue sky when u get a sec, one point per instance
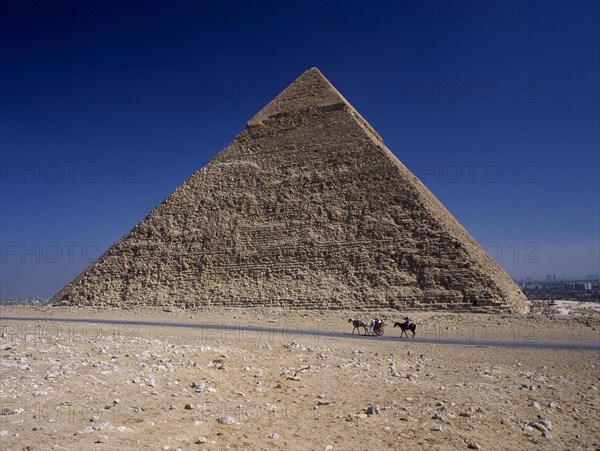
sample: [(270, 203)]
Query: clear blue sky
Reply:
[(106, 107)]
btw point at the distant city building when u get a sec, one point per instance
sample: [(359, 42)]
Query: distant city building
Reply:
[(575, 290), (578, 286)]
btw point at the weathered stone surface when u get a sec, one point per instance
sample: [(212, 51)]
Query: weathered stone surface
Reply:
[(306, 208)]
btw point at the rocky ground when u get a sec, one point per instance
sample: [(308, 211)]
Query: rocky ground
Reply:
[(83, 386)]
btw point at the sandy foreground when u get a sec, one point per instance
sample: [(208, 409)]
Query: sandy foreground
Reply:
[(84, 386)]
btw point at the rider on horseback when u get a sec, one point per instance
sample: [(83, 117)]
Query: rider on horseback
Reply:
[(406, 323)]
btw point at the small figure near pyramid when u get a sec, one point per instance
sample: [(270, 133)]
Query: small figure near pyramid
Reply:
[(305, 209)]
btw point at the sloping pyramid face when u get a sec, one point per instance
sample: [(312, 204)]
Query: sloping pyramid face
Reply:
[(306, 208)]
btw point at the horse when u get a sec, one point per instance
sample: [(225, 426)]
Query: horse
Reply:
[(358, 323), (412, 327)]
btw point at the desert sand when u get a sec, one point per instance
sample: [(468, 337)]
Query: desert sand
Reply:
[(84, 386)]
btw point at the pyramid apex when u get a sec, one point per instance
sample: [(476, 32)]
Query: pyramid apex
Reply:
[(309, 90), (315, 69)]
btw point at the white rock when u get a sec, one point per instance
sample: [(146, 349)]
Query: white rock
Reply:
[(53, 374), (534, 405), (547, 424), (198, 386), (227, 420), (102, 426)]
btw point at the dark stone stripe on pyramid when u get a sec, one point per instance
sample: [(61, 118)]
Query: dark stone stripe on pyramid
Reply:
[(306, 208)]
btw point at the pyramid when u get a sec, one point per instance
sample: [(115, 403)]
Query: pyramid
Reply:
[(305, 209)]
